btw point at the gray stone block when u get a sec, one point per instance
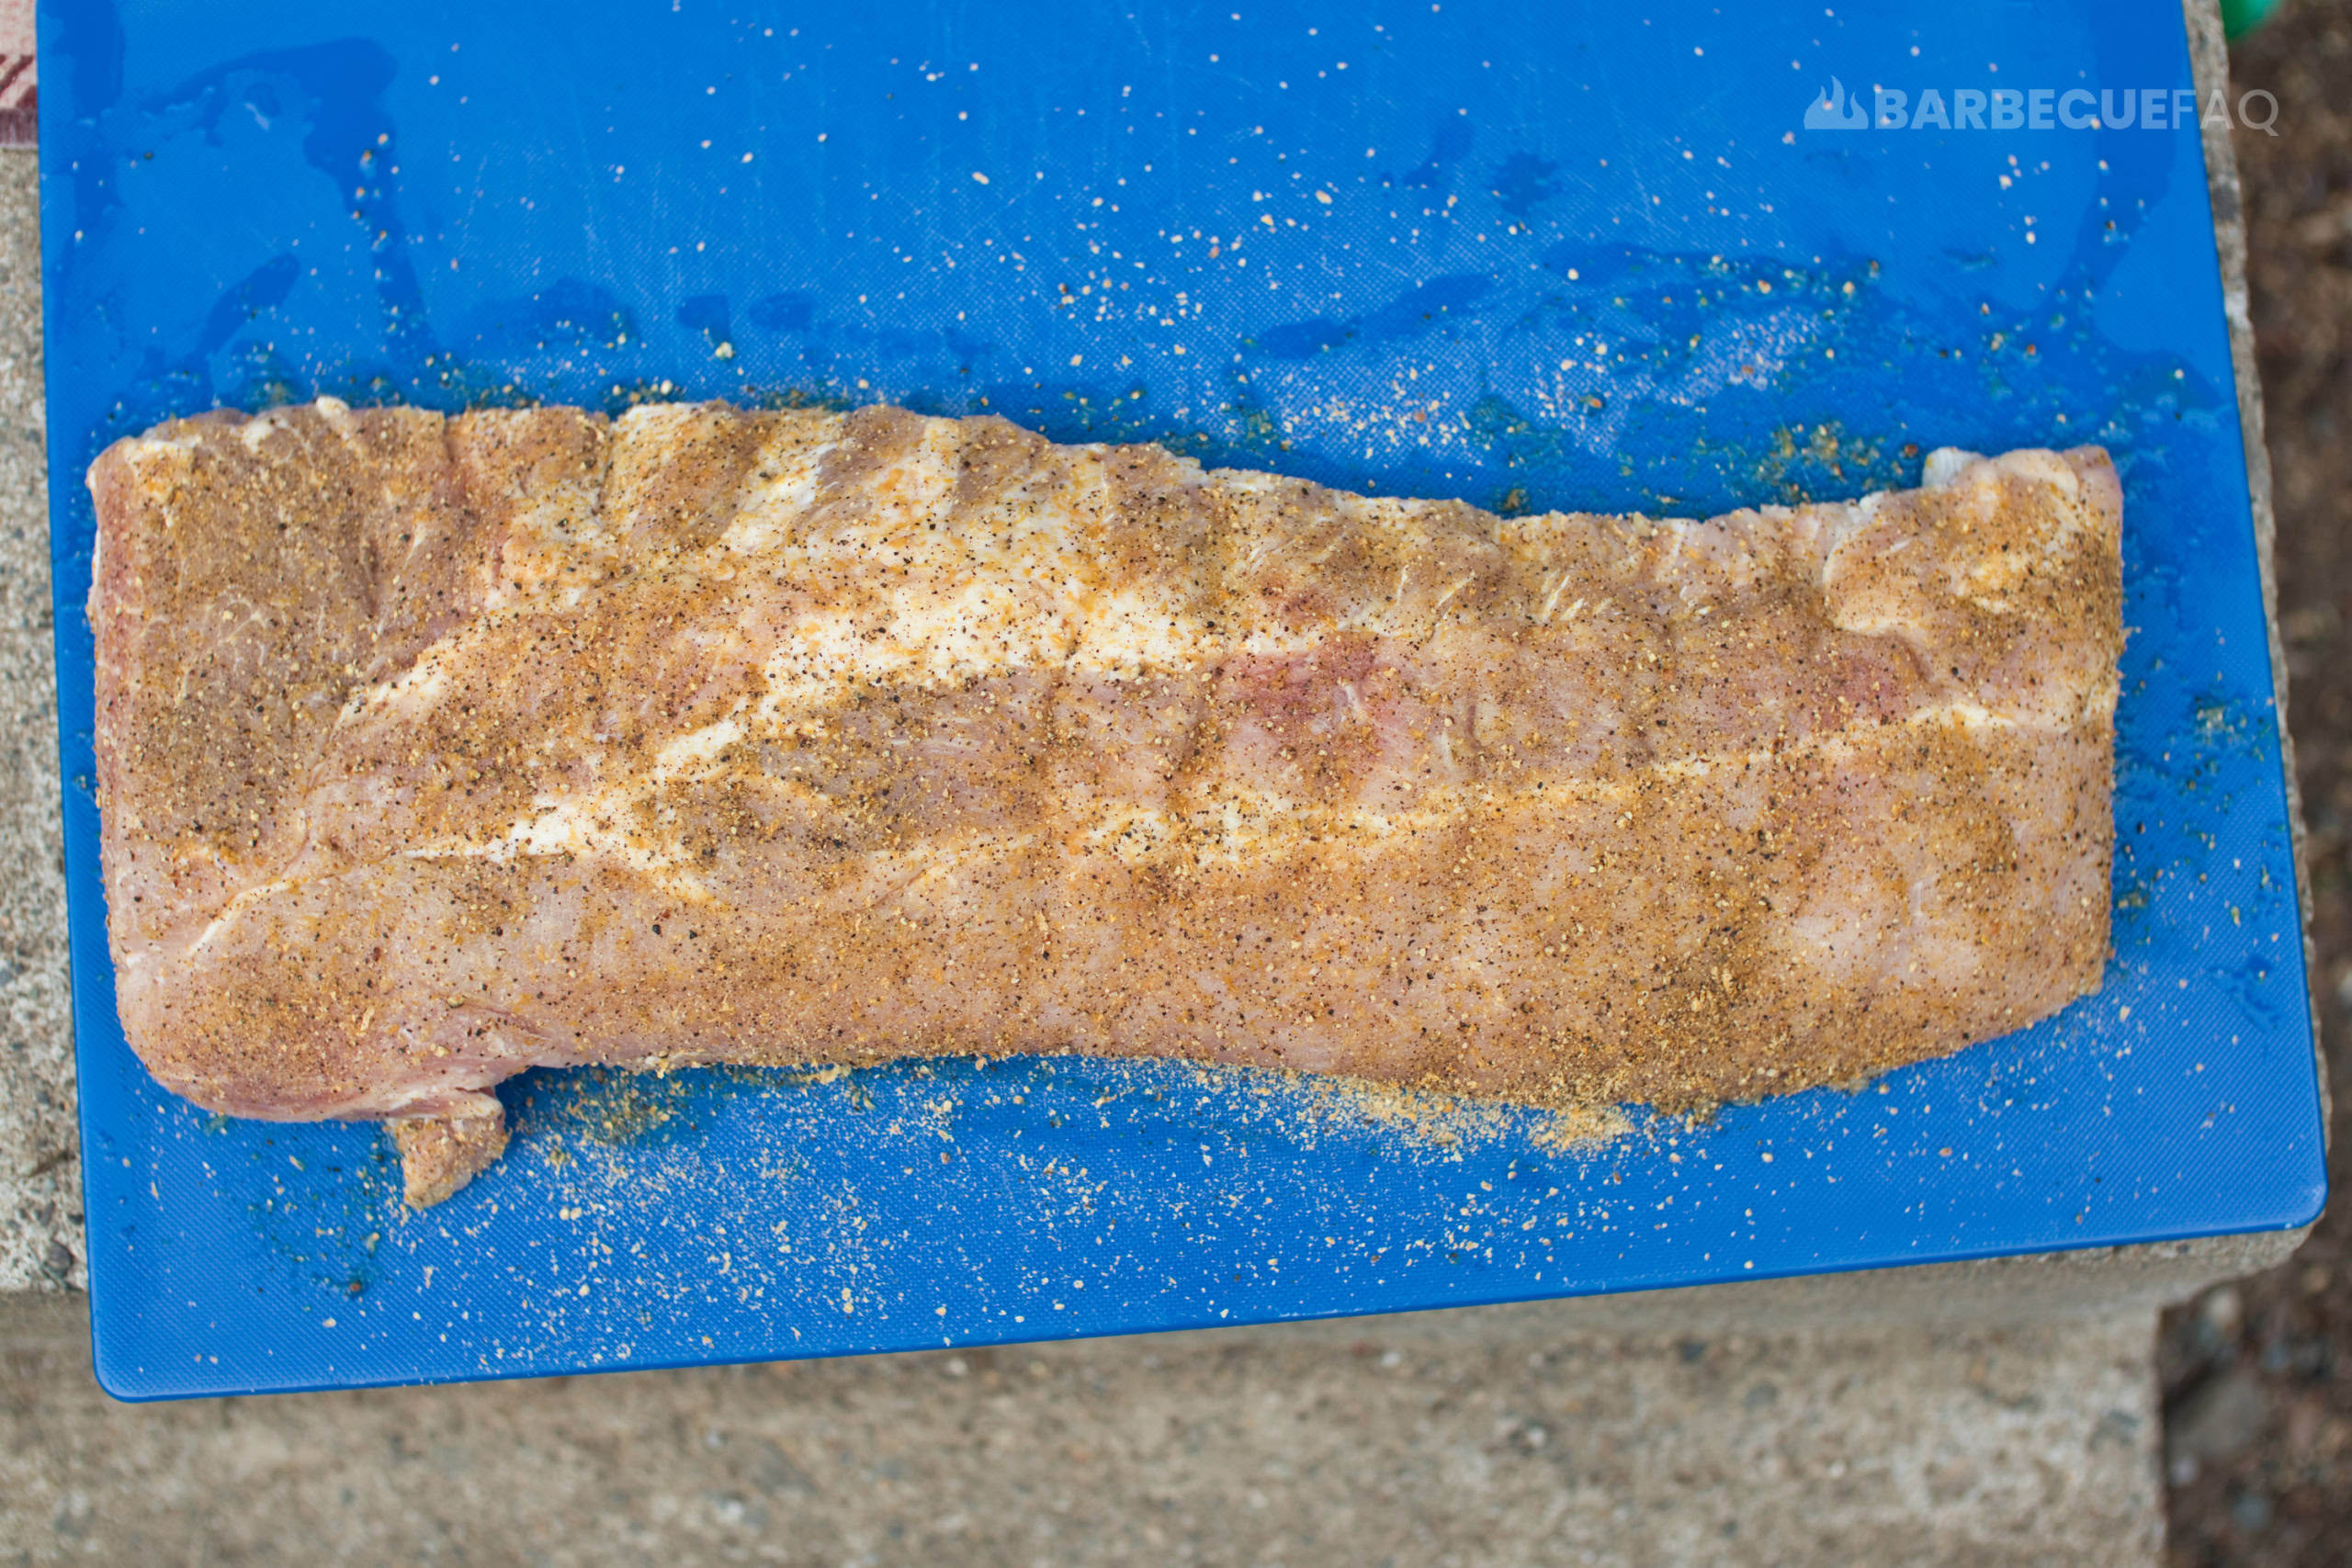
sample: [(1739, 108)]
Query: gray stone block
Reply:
[(1395, 1441), (40, 1176)]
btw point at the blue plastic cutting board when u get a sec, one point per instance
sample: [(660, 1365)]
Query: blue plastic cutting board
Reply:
[(1596, 247)]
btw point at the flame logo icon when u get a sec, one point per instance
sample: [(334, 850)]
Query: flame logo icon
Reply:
[(1834, 111)]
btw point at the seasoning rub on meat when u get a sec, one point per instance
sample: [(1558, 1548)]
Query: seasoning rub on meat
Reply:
[(432, 750)]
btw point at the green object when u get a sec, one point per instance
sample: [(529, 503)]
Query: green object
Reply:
[(2240, 17)]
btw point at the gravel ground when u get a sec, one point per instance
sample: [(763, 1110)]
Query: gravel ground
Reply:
[(2258, 1424)]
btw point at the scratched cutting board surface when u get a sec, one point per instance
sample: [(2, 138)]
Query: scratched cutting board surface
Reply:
[(1533, 256)]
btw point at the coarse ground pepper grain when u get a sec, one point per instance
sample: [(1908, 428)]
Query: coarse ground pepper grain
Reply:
[(432, 750)]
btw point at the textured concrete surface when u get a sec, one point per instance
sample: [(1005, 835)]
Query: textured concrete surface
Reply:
[(1370, 1444), (41, 1178)]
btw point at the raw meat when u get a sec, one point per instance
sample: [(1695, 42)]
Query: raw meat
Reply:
[(432, 750)]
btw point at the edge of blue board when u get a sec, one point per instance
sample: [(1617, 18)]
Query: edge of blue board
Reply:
[(1599, 251)]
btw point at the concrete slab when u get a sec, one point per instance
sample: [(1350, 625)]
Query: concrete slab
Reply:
[(1374, 1444), (41, 1177)]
